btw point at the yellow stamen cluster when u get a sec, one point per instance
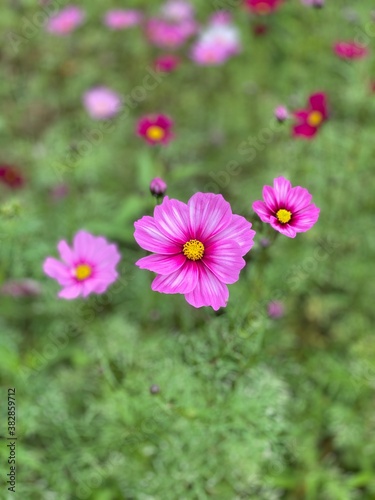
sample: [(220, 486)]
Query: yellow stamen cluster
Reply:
[(315, 118), (193, 250), (283, 215), (82, 272), (155, 133)]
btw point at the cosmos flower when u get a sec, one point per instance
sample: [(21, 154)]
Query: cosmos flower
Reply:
[(166, 63), (65, 21), (197, 247), (10, 176), (281, 113), (288, 209), (177, 10), (158, 187), (155, 129), (311, 119), (120, 19), (350, 50), (21, 288), (88, 267), (168, 34), (262, 7), (101, 103)]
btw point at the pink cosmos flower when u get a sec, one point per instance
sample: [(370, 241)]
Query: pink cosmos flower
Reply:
[(88, 267), (65, 21), (178, 10), (168, 34), (21, 288), (197, 247), (217, 43), (281, 113), (262, 7), (288, 209), (158, 187), (155, 129), (350, 50), (120, 19), (275, 309), (208, 54), (221, 17), (311, 119), (102, 103), (167, 63)]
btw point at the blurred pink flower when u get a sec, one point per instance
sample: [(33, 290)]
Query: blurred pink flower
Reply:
[(288, 209), (262, 7), (155, 129), (167, 63), (217, 43), (281, 113), (21, 288), (310, 120), (177, 10), (221, 17), (120, 19), (65, 21), (168, 34), (102, 103), (158, 187), (275, 309), (350, 50), (197, 247), (88, 267), (208, 54)]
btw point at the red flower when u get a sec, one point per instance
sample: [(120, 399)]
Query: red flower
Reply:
[(350, 50), (310, 120), (155, 129), (262, 7), (11, 177), (166, 63)]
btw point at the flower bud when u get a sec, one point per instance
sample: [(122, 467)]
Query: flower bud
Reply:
[(158, 187)]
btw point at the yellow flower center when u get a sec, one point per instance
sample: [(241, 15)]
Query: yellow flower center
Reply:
[(193, 250), (155, 133), (82, 272), (262, 8), (315, 118), (283, 215)]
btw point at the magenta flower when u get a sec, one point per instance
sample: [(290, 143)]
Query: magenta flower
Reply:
[(350, 50), (288, 209), (168, 34), (197, 248), (310, 120), (120, 19), (167, 63), (65, 21), (155, 129), (102, 103), (88, 267)]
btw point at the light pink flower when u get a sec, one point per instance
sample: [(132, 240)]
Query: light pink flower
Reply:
[(221, 17), (288, 209), (21, 288), (167, 34), (120, 19), (197, 247), (217, 43), (281, 113), (102, 103), (65, 21), (275, 309), (88, 267), (177, 10)]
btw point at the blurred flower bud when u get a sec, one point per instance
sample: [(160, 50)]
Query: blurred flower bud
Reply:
[(281, 114), (158, 187), (275, 309)]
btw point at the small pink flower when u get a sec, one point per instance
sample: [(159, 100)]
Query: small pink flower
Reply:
[(177, 10), (197, 247), (120, 19), (158, 187), (21, 288), (88, 267), (311, 119), (281, 113), (167, 63), (65, 21), (288, 209), (217, 43), (275, 309), (208, 54), (262, 7), (350, 50), (221, 17), (102, 103), (155, 129), (167, 34)]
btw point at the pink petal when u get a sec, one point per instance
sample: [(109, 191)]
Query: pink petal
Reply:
[(70, 292), (285, 229), (318, 103), (162, 264), (224, 259), (58, 271), (210, 291), (83, 245), (209, 214), (281, 189), (182, 281), (304, 130), (304, 219), (269, 196), (301, 114), (150, 237), (261, 209), (66, 253), (298, 198), (239, 231), (172, 217)]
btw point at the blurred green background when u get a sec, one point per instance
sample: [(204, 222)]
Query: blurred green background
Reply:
[(249, 407)]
